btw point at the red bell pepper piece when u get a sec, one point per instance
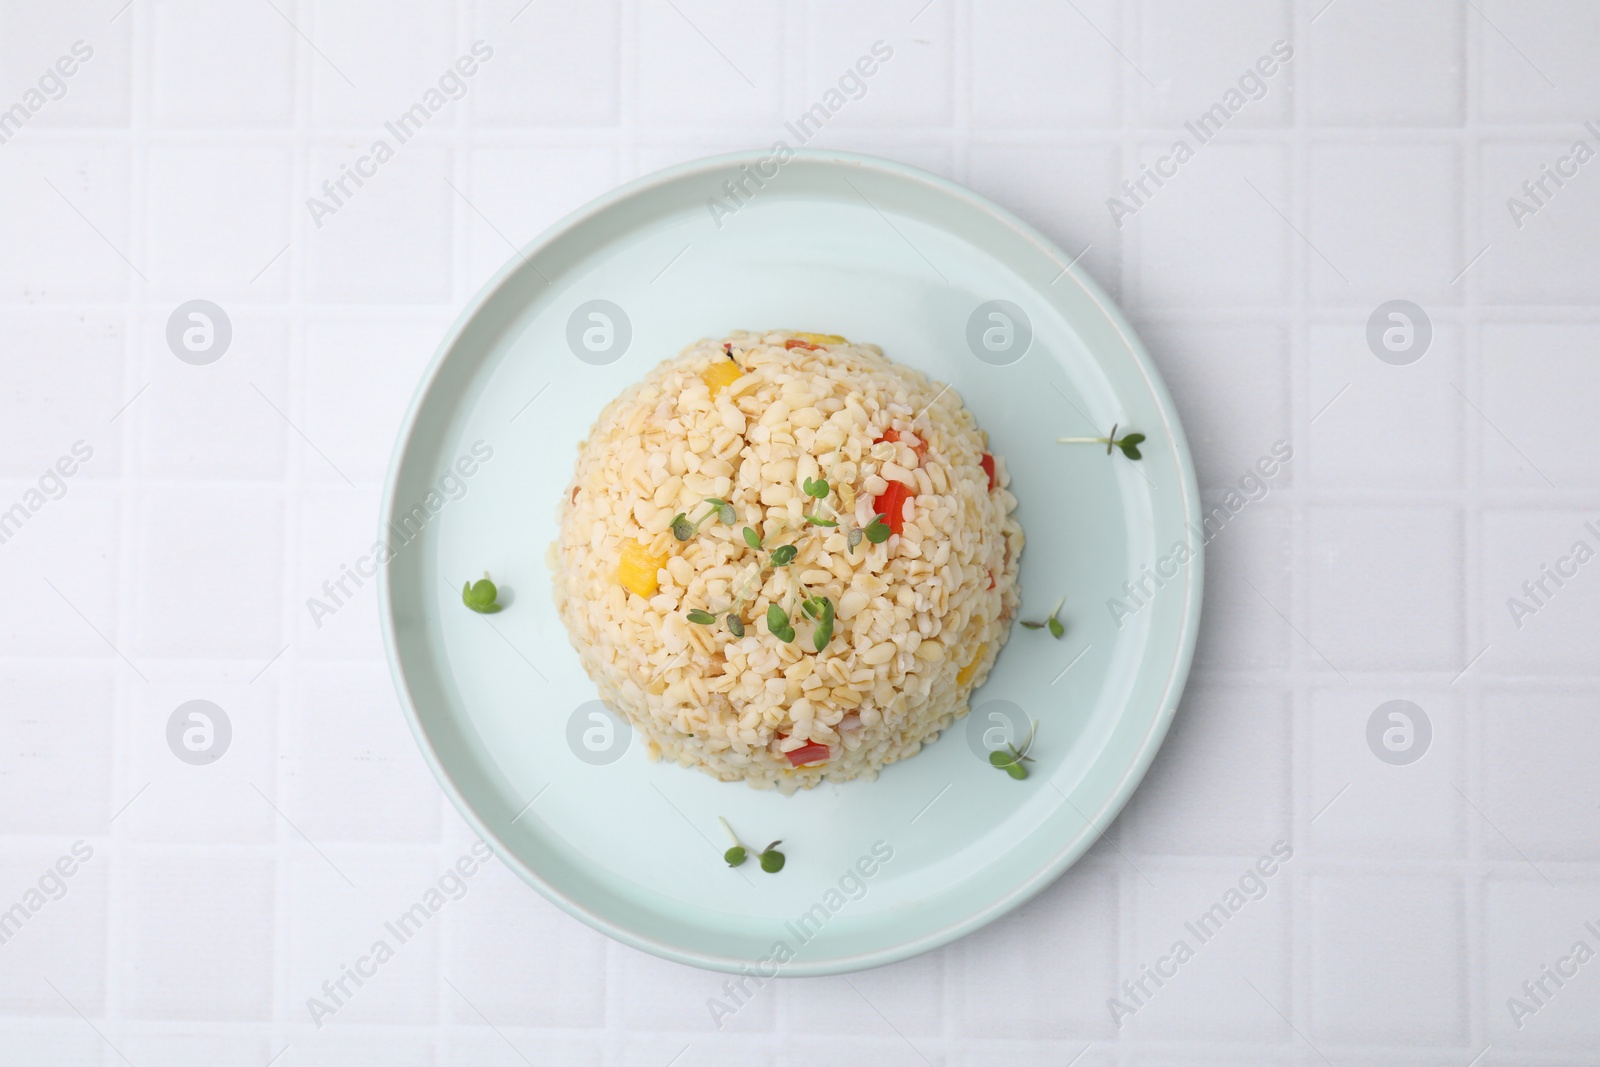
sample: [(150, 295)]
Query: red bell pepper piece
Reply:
[(811, 753), (987, 463), (891, 504)]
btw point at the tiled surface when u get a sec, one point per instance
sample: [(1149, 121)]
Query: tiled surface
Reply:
[(1410, 548)]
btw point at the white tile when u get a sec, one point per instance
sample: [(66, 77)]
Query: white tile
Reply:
[(1062, 953), (230, 1050), (361, 372), (655, 995), (1358, 806), (854, 1051), (181, 536), (1408, 58), (223, 802), (393, 52), (69, 207), (1351, 391), (1068, 209), (214, 421), (334, 605), (1201, 931), (375, 1048), (213, 66), (1220, 784), (66, 372), (496, 931), (66, 1044), (1531, 935), (696, 58), (1044, 66), (574, 81), (41, 43), (1387, 219), (521, 191), (909, 994), (60, 884), (1255, 547), (217, 216), (353, 742), (1387, 959), (55, 771), (1540, 236), (1535, 61), (58, 577), (195, 940), (1536, 805), (1232, 420), (513, 1048), (1199, 57), (1535, 384), (1205, 237), (1384, 588), (390, 240), (910, 83), (1539, 601), (363, 956)]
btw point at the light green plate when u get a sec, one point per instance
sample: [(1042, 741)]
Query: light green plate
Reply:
[(834, 243)]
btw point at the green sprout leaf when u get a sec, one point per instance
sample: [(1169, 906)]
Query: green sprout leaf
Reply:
[(682, 528), (703, 618), (813, 520), (734, 855), (778, 623), (853, 538), (878, 531), (784, 555), (480, 596), (823, 632), (817, 488), (1053, 622), (723, 510), (1010, 759), (1128, 443), (771, 859), (752, 538), (735, 624)]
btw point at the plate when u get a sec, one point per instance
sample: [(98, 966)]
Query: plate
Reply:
[(939, 844)]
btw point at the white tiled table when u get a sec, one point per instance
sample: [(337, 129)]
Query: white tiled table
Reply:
[(177, 563)]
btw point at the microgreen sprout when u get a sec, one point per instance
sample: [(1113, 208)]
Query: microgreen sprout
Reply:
[(877, 530), (683, 529), (702, 618), (752, 538), (1011, 760), (813, 520), (820, 608), (817, 488), (480, 595), (770, 858), (784, 555), (1128, 443), (1053, 622), (735, 624), (853, 538), (778, 623)]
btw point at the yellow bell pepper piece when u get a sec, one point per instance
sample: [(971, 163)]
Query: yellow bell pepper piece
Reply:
[(822, 338), (964, 675), (637, 571), (720, 375)]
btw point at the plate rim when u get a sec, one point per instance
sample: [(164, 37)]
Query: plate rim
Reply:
[(1133, 774)]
